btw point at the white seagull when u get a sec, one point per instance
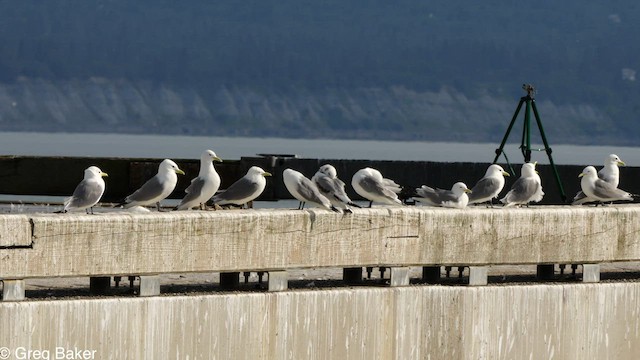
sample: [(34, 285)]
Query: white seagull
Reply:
[(488, 188), (370, 184), (455, 198), (526, 189), (204, 186), (609, 173), (326, 179), (600, 190), (157, 188), (246, 189), (88, 192), (304, 190)]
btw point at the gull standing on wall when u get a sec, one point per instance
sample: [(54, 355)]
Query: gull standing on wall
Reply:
[(88, 192), (157, 188), (528, 188), (326, 179), (203, 187), (246, 189), (304, 190), (599, 189), (488, 188), (370, 184), (609, 173)]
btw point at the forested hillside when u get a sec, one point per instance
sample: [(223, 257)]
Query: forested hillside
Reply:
[(370, 69)]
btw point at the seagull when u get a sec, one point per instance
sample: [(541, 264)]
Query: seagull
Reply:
[(488, 188), (157, 188), (246, 189), (305, 190), (204, 186), (326, 179), (526, 189), (609, 173), (599, 189), (88, 192), (370, 184), (455, 198)]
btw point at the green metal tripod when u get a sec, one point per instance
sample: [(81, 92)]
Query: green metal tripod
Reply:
[(525, 144)]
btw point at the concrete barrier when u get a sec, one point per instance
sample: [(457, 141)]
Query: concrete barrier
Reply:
[(570, 321), (263, 240)]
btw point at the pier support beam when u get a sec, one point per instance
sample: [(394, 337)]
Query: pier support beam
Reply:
[(99, 285), (352, 275), (478, 275), (590, 273), (545, 272), (13, 290), (230, 280), (278, 280), (399, 276), (149, 285), (431, 274)]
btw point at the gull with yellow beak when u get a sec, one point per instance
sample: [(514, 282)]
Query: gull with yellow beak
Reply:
[(600, 190), (455, 198), (489, 187), (88, 192), (246, 189), (528, 188), (157, 188), (204, 186), (609, 173)]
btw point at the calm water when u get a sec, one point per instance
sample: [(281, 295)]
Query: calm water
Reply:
[(190, 147)]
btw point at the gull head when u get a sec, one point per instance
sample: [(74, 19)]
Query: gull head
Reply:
[(328, 170), (613, 159), (94, 171), (589, 172), (528, 169), (460, 188), (255, 170), (209, 155), (170, 166), (496, 169)]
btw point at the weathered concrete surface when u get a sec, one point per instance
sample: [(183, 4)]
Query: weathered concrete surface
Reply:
[(576, 321), (15, 230), (231, 241)]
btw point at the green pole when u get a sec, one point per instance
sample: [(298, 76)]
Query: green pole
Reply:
[(526, 150), (500, 150)]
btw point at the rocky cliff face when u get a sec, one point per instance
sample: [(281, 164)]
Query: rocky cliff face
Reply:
[(113, 105)]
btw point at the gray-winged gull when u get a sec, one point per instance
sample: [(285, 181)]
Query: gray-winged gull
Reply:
[(88, 192), (246, 189), (609, 173), (370, 184), (326, 178), (488, 188), (305, 190), (528, 188), (455, 198), (203, 187), (157, 188), (600, 190)]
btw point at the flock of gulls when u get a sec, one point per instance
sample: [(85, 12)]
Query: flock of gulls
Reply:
[(326, 190)]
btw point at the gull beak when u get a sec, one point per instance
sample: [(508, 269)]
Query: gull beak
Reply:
[(178, 171), (217, 159), (505, 173), (104, 174), (468, 191), (621, 163), (581, 175), (266, 173)]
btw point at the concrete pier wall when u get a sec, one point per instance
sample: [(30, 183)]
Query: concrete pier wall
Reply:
[(570, 321), (263, 240)]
